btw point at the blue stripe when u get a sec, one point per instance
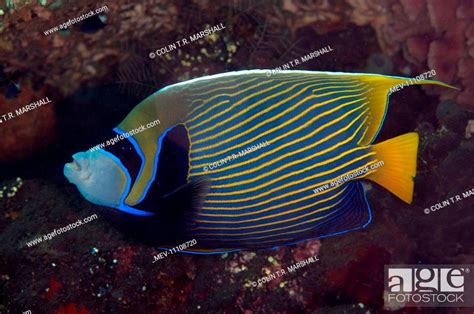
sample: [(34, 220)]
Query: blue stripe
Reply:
[(354, 207), (257, 170), (343, 217), (236, 110), (296, 110), (155, 162), (266, 230), (241, 188), (284, 211), (130, 210), (137, 149)]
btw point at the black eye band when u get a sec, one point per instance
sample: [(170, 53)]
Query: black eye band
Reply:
[(124, 150), (172, 170)]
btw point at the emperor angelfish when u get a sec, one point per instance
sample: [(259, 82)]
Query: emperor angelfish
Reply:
[(245, 161)]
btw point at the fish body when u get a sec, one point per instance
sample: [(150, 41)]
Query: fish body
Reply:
[(265, 161)]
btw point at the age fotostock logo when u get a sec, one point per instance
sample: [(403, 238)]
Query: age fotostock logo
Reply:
[(429, 285)]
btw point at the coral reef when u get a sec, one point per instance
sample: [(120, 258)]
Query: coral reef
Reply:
[(430, 34), (26, 133), (94, 53), (321, 15), (95, 76)]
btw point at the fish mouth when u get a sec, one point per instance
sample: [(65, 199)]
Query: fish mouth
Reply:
[(79, 166), (75, 165)]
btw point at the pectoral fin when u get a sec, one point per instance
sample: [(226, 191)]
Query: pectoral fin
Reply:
[(180, 206)]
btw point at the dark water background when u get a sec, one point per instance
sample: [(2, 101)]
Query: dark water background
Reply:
[(99, 69)]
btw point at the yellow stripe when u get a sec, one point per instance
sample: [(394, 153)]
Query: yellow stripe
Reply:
[(263, 237), (260, 113), (288, 194), (290, 202), (207, 100), (358, 178), (274, 222), (269, 131), (203, 85), (226, 100), (234, 87), (268, 236), (248, 213), (302, 149), (293, 183), (344, 174), (253, 117), (264, 231), (189, 150), (275, 198), (280, 126), (358, 142), (331, 85), (368, 172), (268, 209), (242, 100), (275, 160), (319, 89), (226, 83), (316, 165), (288, 184), (280, 147)]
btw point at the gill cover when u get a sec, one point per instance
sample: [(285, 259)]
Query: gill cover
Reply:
[(99, 176)]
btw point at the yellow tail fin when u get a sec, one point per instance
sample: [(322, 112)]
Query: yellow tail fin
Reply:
[(399, 168)]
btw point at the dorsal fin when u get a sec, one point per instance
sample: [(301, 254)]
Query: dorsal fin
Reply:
[(380, 87), (377, 88)]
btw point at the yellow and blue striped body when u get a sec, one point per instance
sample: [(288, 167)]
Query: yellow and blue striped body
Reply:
[(268, 149), (312, 127)]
